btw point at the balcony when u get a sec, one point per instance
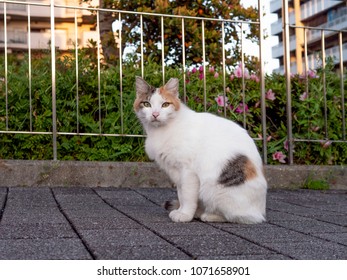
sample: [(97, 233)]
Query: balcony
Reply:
[(41, 11), (315, 7), (334, 52), (314, 60), (17, 39), (275, 6), (338, 23), (277, 51), (276, 27)]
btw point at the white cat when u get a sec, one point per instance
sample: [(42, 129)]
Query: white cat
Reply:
[(213, 161)]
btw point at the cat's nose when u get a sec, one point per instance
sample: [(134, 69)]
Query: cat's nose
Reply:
[(155, 114)]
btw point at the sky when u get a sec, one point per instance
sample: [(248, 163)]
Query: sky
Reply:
[(270, 64)]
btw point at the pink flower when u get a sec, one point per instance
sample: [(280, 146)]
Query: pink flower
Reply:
[(286, 145), (232, 77), (312, 74), (254, 78), (201, 69), (279, 156), (201, 76), (267, 139), (270, 95), (221, 101), (216, 75), (240, 72), (194, 70), (211, 69), (326, 144), (303, 96), (242, 108)]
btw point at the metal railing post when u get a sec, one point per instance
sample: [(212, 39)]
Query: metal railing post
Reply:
[(54, 103), (262, 80), (286, 36)]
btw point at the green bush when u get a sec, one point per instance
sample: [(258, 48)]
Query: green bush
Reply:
[(111, 113)]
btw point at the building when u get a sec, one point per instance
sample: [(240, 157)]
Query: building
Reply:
[(24, 22), (321, 14)]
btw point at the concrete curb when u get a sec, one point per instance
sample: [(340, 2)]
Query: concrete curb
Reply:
[(23, 173)]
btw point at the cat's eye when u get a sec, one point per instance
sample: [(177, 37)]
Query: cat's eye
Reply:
[(165, 104), (146, 104)]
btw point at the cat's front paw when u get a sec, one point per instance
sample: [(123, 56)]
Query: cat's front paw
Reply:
[(180, 217)]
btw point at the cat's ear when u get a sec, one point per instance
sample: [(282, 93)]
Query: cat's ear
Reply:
[(141, 86), (172, 86)]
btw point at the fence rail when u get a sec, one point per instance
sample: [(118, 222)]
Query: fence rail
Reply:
[(55, 133)]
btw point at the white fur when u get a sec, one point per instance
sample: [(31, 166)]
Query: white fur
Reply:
[(193, 148)]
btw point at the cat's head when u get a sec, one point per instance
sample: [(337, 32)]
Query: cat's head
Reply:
[(156, 106)]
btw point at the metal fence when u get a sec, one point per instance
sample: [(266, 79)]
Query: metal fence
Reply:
[(55, 133)]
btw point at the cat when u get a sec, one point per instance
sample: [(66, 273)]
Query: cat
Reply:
[(213, 161)]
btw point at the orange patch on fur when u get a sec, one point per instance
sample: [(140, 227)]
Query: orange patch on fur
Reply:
[(169, 97), (250, 170), (137, 103)]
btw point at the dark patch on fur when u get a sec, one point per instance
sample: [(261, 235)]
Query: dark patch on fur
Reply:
[(171, 205), (234, 172)]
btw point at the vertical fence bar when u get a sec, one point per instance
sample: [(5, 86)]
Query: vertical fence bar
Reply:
[(29, 73), (141, 38), (224, 70), (54, 103), (243, 79), (163, 48), (306, 77), (204, 61), (324, 86), (286, 38), (6, 65), (184, 62), (306, 60), (29, 70), (98, 58), (121, 74), (262, 80), (77, 75), (342, 88)]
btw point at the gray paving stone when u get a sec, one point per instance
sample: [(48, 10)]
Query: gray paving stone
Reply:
[(159, 196), (151, 252), (33, 216), (74, 191), (340, 220), (36, 231), (146, 213), (43, 249), (310, 250), (340, 238), (122, 237), (104, 223), (245, 257), (221, 245), (85, 202), (312, 226), (265, 232), (190, 229)]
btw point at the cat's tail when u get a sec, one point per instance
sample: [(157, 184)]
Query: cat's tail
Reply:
[(171, 205)]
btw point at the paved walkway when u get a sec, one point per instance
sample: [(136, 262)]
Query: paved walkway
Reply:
[(116, 223)]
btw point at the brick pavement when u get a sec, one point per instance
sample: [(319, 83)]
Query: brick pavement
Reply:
[(129, 223)]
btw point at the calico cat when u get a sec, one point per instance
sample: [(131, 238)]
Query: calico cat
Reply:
[(213, 161)]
